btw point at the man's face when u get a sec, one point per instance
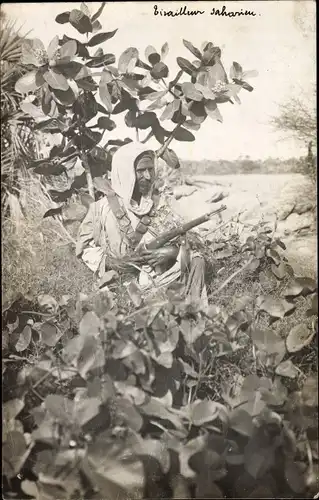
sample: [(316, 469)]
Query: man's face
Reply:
[(145, 176)]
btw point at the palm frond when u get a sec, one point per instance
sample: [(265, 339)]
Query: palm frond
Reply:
[(11, 42)]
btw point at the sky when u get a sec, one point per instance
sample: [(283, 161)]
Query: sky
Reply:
[(279, 42)]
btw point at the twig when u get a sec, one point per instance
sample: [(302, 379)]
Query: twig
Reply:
[(88, 174), (219, 227), (169, 90), (37, 394), (145, 308), (46, 315), (13, 358), (232, 277), (163, 148), (42, 379)]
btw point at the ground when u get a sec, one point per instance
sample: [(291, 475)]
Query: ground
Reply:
[(262, 197)]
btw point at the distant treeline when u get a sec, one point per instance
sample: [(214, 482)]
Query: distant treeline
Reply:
[(246, 166)]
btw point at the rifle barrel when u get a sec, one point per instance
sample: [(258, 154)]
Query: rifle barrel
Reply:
[(173, 233)]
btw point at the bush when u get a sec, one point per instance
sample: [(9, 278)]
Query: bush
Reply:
[(166, 399)]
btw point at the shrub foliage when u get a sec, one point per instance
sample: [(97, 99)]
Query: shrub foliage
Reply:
[(149, 403)]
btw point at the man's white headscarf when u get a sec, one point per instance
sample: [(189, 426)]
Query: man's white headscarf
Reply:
[(123, 176)]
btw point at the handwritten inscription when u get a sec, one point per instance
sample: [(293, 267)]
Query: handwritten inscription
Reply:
[(184, 11)]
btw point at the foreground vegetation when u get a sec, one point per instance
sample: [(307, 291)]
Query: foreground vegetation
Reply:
[(108, 394), (160, 398)]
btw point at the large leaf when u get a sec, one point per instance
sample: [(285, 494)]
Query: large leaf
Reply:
[(279, 271), (80, 21), (301, 286), (205, 411), (99, 62), (268, 342), (61, 408), (155, 408), (56, 80), (313, 311), (91, 356), (244, 85), (236, 71), (14, 453), (310, 391), (67, 51), (50, 334), (100, 38), (197, 53), (118, 467), (186, 66), (168, 112), (98, 12), (104, 92), (277, 308), (45, 167), (128, 60), (145, 120), (197, 112), (126, 410), (181, 134), (242, 422), (106, 123), (96, 26), (10, 409), (152, 55), (65, 97), (32, 110), (159, 132), (287, 369), (216, 74), (171, 158), (53, 48), (164, 50), (207, 93), (33, 52), (211, 55), (299, 337), (89, 324), (29, 82), (189, 124), (24, 339), (153, 96), (191, 92), (259, 455), (295, 475), (63, 18), (159, 70), (87, 83), (213, 111)]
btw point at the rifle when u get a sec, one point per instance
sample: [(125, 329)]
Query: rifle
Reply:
[(164, 238)]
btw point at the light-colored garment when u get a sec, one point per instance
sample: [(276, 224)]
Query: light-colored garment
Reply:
[(100, 235)]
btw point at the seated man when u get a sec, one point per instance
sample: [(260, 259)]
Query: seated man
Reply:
[(130, 217)]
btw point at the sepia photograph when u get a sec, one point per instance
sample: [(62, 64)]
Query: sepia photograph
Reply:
[(159, 250)]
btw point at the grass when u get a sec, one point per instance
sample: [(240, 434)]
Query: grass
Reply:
[(38, 256)]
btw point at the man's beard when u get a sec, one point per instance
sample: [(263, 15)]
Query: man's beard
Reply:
[(144, 188)]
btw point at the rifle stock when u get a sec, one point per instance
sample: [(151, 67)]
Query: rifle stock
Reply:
[(178, 231)]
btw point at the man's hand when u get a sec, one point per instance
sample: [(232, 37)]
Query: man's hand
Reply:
[(160, 256)]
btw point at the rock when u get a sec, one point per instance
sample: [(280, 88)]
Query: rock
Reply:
[(285, 211), (303, 207), (181, 191), (217, 197), (294, 223)]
